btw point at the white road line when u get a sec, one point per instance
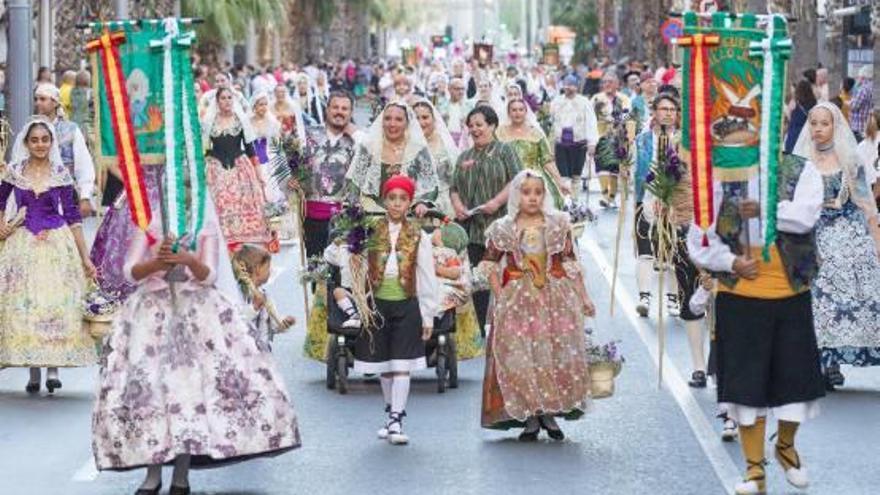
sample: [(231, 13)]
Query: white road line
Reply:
[(87, 472), (708, 439)]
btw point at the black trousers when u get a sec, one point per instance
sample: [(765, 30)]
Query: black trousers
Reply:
[(767, 354), (316, 234), (481, 298), (570, 160)]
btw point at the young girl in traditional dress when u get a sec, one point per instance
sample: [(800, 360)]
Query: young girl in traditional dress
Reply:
[(404, 285), (255, 266), (536, 363), (182, 380)]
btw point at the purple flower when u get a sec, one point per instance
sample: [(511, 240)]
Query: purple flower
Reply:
[(671, 169), (621, 152), (650, 177)]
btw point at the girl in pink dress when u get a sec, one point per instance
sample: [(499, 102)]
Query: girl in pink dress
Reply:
[(536, 363)]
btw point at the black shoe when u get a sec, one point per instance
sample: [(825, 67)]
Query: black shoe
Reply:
[(150, 491), (32, 387), (179, 490), (52, 384), (529, 436), (554, 433), (698, 379), (833, 377)]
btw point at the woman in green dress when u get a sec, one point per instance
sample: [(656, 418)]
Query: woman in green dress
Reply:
[(468, 338), (532, 148)]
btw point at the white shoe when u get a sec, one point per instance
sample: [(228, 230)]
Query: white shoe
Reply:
[(730, 431), (383, 432), (796, 476), (673, 307), (750, 487), (395, 430), (644, 305), (353, 322)]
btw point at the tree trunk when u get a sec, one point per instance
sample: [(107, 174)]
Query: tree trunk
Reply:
[(803, 35)]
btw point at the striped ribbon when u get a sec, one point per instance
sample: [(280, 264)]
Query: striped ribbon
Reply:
[(699, 119), (775, 49), (123, 130), (183, 159)]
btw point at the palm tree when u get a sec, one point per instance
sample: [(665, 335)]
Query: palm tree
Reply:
[(226, 21)]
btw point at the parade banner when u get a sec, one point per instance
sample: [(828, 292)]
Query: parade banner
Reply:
[(106, 49), (721, 111), (775, 51), (183, 154), (141, 70)]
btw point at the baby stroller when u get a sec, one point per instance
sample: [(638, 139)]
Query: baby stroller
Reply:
[(440, 351)]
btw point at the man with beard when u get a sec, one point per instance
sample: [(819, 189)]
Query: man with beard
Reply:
[(328, 152)]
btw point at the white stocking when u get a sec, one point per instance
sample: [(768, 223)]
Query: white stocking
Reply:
[(644, 274), (694, 331), (399, 393), (385, 381)]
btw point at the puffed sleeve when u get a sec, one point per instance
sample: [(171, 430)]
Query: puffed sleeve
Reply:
[(138, 252), (69, 207), (699, 302), (800, 214), (249, 149), (83, 166), (715, 255), (208, 252), (427, 286)]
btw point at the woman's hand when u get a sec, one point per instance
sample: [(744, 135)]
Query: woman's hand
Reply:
[(6, 230), (749, 208), (259, 300), (89, 269), (169, 257), (564, 187), (460, 212), (293, 184), (589, 308), (288, 322), (489, 207), (421, 209), (745, 267), (426, 333)]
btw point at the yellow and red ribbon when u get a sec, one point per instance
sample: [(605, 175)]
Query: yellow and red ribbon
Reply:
[(699, 118), (123, 129)]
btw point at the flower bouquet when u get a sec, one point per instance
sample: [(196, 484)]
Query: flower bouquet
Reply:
[(99, 308), (288, 163), (663, 181), (316, 271), (606, 362), (580, 214), (354, 228)]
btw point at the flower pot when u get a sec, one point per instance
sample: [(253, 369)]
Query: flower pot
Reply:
[(602, 376), (99, 325)]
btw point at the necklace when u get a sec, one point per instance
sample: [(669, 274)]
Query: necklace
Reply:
[(825, 147)]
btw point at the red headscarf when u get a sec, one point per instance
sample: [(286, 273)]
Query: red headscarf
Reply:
[(399, 182)]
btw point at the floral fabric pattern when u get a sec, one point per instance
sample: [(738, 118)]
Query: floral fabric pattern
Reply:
[(846, 293), (240, 201), (187, 380)]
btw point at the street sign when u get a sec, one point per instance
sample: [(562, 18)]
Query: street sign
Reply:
[(610, 39), (671, 29)]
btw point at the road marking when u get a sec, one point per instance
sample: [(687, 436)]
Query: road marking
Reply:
[(725, 468), (87, 472)]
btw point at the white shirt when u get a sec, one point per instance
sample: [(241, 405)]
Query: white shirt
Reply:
[(456, 113), (796, 216), (867, 153), (575, 112), (427, 286)]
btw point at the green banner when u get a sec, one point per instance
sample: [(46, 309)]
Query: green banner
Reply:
[(143, 74), (735, 90)]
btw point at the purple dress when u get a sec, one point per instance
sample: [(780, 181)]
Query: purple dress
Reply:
[(114, 237)]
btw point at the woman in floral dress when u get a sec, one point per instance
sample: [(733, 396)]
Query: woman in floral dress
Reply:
[(182, 379), (468, 341), (394, 145), (532, 148), (846, 292), (232, 173), (44, 263), (536, 363)]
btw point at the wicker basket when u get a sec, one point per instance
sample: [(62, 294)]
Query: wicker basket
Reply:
[(602, 377), (99, 325)]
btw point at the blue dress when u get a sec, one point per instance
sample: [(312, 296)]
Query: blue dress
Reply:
[(846, 292)]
